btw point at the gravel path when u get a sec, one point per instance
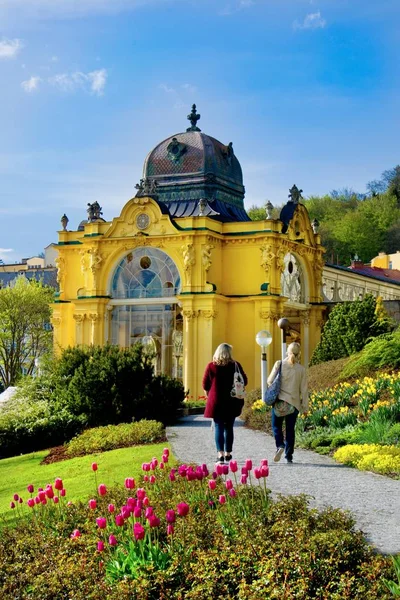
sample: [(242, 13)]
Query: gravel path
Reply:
[(374, 500)]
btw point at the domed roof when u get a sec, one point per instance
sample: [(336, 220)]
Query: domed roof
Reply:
[(193, 168)]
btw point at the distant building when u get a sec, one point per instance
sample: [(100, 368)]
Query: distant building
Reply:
[(387, 261), (41, 268)]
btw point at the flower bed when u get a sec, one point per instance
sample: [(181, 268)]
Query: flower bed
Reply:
[(183, 533)]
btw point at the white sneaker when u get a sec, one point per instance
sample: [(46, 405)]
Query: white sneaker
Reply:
[(278, 454)]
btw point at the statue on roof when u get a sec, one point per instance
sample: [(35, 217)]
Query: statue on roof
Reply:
[(94, 211), (193, 117), (295, 194), (146, 187)]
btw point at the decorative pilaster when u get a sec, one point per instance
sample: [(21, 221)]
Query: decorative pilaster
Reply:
[(305, 319), (94, 334), (107, 323), (79, 322), (190, 349)]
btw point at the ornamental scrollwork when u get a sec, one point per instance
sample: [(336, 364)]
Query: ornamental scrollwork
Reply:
[(305, 317), (209, 314), (267, 256), (79, 318), (206, 256), (94, 317), (280, 259), (267, 315), (190, 314)]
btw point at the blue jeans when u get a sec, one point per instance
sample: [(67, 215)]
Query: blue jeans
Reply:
[(277, 426), (224, 434)]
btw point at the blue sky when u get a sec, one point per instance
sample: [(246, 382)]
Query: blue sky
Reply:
[(307, 91)]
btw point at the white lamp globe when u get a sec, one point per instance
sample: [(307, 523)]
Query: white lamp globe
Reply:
[(263, 338)]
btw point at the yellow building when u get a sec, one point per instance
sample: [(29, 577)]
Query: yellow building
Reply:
[(183, 268), (387, 261)]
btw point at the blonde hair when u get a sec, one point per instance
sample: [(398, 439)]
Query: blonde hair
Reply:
[(223, 354), (293, 352)]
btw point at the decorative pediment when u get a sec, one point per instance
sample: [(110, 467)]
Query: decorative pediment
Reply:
[(300, 228), (141, 216)]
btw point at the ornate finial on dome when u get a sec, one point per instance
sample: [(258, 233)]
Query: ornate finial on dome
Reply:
[(295, 194), (193, 118)]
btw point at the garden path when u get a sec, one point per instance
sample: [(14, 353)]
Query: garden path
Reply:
[(374, 500)]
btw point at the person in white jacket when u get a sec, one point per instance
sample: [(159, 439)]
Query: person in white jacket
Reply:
[(294, 390)]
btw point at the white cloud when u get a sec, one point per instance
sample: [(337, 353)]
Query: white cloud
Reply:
[(192, 89), (311, 21), (235, 6), (31, 85), (166, 88), (94, 81), (10, 48), (4, 252)]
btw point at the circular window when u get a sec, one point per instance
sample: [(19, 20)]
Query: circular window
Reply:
[(142, 221), (145, 262)]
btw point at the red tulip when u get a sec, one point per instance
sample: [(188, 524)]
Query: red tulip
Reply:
[(148, 512), (219, 469), (112, 540), (16, 497), (243, 479), (225, 469), (222, 499), (20, 500), (212, 484), (233, 466), (30, 488), (153, 464), (257, 473), (129, 483), (12, 505), (49, 492), (161, 465), (137, 512), (44, 501), (166, 451), (75, 534), (244, 471), (172, 476), (232, 493), (170, 516), (111, 508), (170, 529), (264, 462), (31, 502), (146, 466), (92, 504), (182, 470), (152, 479), (56, 499), (37, 500), (119, 520), (264, 471), (101, 522), (58, 484), (164, 459), (182, 509), (138, 531), (154, 521), (141, 492), (63, 492), (102, 490), (94, 467), (100, 546), (229, 484), (145, 478), (126, 511), (248, 464)]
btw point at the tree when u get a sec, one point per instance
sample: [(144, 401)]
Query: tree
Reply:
[(24, 327)]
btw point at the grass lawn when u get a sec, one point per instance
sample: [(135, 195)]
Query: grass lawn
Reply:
[(78, 478)]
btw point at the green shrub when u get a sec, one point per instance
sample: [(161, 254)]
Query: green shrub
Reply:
[(111, 437), (349, 326), (380, 352), (260, 421), (393, 435)]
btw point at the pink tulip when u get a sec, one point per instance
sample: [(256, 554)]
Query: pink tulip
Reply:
[(232, 493), (214, 475), (137, 512), (146, 466), (148, 512), (69, 503), (212, 484), (166, 451), (170, 529), (182, 470), (119, 520), (219, 469), (153, 464), (243, 479), (172, 476), (170, 516), (20, 500), (63, 492), (138, 531), (112, 540), (257, 473), (145, 478), (126, 511), (102, 490), (229, 484), (76, 534), (129, 483), (264, 462), (37, 500), (182, 509), (205, 470), (264, 471), (44, 501), (12, 505), (49, 492), (164, 459), (233, 466), (152, 479), (248, 464), (56, 499), (16, 497), (100, 546), (244, 471), (58, 484), (225, 469), (154, 521), (94, 467), (30, 488), (141, 492), (161, 465), (111, 508), (92, 503), (31, 502), (101, 522), (222, 499), (131, 502)]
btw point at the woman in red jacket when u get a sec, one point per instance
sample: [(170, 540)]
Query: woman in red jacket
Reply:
[(220, 406)]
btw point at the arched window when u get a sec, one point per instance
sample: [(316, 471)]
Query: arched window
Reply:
[(146, 273), (292, 279)]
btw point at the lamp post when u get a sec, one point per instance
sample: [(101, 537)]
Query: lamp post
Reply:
[(263, 339), (284, 325)]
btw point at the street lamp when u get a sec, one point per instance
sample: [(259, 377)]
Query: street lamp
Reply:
[(284, 325), (263, 339)]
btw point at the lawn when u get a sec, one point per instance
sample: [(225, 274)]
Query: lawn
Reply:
[(78, 478)]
